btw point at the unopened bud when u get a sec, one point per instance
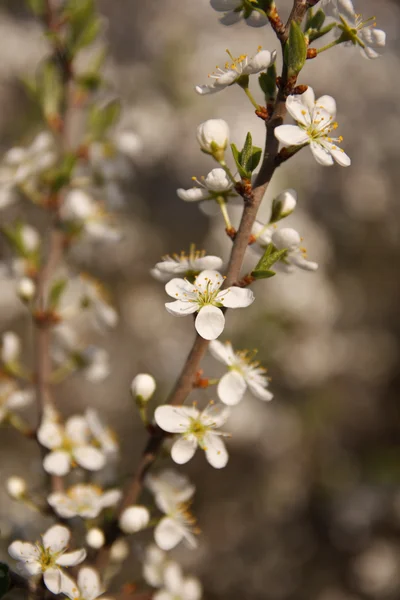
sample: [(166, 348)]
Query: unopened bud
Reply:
[(134, 518), (26, 289), (30, 238), (119, 551), (143, 387), (213, 137), (16, 487), (95, 538), (283, 205), (10, 347)]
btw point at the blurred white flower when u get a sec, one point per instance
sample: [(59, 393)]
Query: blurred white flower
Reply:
[(354, 30), (26, 289), (177, 525), (16, 487), (187, 265), (178, 587), (88, 586), (315, 122), (296, 255), (239, 67), (84, 500), (95, 538), (46, 557), (30, 238), (103, 435), (154, 564), (134, 518), (10, 347), (204, 297), (170, 483), (128, 143), (119, 551), (236, 10), (243, 373), (12, 398), (69, 444), (79, 209), (196, 429)]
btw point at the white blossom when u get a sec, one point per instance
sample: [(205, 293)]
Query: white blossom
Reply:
[(296, 255), (214, 185), (196, 429), (10, 347), (12, 398), (354, 30), (84, 500), (187, 265), (127, 142), (283, 205), (243, 373), (155, 561), (235, 11), (79, 209), (134, 518), (204, 297), (170, 483), (237, 68), (143, 386), (88, 586), (315, 122), (119, 551), (95, 538), (26, 289), (177, 525), (46, 557), (69, 444), (102, 434), (16, 487), (178, 587), (30, 238), (213, 135)]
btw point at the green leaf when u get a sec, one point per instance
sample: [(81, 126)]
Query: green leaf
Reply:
[(267, 82), (56, 291), (262, 274), (270, 257), (237, 158), (84, 25), (252, 162), (245, 154), (316, 21), (50, 89), (101, 118), (38, 7), (5, 579), (315, 35), (295, 50), (60, 177)]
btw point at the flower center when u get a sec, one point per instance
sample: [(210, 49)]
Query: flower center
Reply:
[(208, 295), (197, 428)]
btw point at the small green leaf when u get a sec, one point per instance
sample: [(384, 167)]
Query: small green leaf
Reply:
[(252, 162), (237, 158), (5, 580), (295, 50), (101, 118), (50, 89), (262, 274), (267, 82), (56, 291), (59, 177), (269, 258), (316, 21), (245, 154)]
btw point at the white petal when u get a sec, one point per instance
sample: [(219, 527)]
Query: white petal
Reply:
[(215, 415), (173, 578), (260, 61), (328, 103), (77, 430), (236, 297), (29, 569), (256, 19), (291, 135), (207, 262), (110, 498), (174, 419), (286, 238), (206, 89), (180, 308), (57, 463), (52, 579), (62, 505), (191, 589), (210, 279), (134, 518), (259, 391), (89, 458), (56, 538), (321, 155), (50, 434), (69, 587), (298, 111), (70, 559), (308, 99), (215, 450), (194, 194), (20, 399), (230, 18), (163, 595), (167, 534), (231, 388), (178, 288), (222, 351), (210, 322), (183, 450), (23, 551), (89, 583), (339, 155)]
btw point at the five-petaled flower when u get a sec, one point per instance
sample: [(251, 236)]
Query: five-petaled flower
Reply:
[(353, 30), (84, 500), (196, 429), (237, 69), (187, 265), (296, 255), (204, 297), (177, 525), (46, 557), (236, 10), (243, 373), (315, 122)]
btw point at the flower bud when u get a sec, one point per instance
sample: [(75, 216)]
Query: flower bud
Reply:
[(143, 387), (95, 538), (213, 136), (30, 238), (26, 289), (119, 551), (134, 518), (10, 347), (16, 487), (77, 206), (218, 181), (283, 205), (286, 238)]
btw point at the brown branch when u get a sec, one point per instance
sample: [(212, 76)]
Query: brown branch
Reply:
[(297, 13)]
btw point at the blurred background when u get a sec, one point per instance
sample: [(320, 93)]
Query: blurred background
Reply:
[(309, 504)]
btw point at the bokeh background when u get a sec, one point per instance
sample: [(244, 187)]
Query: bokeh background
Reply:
[(309, 504)]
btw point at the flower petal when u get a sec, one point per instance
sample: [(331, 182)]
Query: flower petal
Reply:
[(181, 308), (215, 450), (183, 450), (215, 415), (50, 434), (236, 297), (89, 583), (89, 458), (23, 551), (70, 559), (259, 390), (291, 135), (174, 419), (53, 579), (298, 110), (56, 538), (208, 279), (77, 430), (177, 288), (69, 587), (191, 589), (207, 262), (231, 388), (173, 579), (210, 322), (328, 103), (167, 534), (321, 154), (57, 463), (338, 154), (222, 351), (110, 498)]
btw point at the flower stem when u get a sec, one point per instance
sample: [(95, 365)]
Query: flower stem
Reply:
[(222, 204), (328, 46), (227, 170), (251, 97)]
